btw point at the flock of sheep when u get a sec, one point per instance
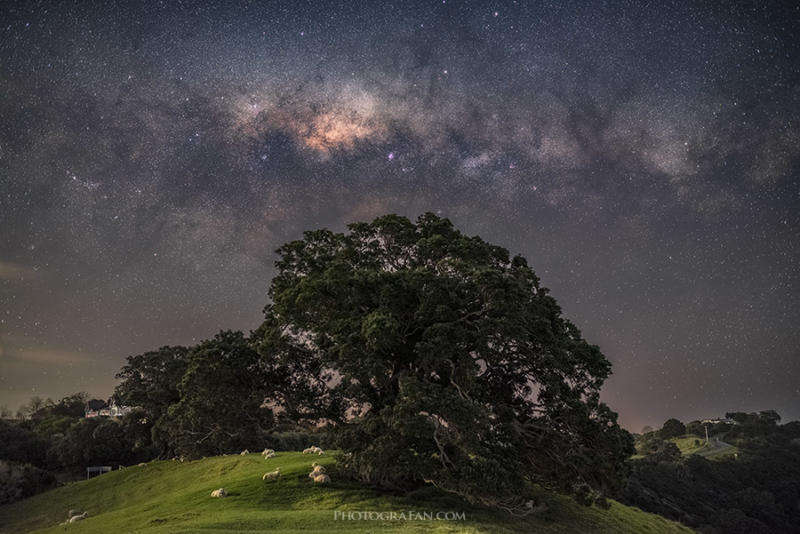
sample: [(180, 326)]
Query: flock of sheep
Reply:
[(317, 473)]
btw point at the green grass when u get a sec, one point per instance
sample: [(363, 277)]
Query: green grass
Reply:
[(174, 498), (687, 446), (716, 450)]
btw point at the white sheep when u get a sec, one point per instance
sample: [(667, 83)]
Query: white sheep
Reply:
[(309, 450), (322, 479), (266, 452), (272, 475), (79, 517), (244, 453), (316, 470), (270, 455), (313, 450), (219, 493)]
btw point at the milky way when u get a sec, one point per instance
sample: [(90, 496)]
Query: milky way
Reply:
[(645, 159)]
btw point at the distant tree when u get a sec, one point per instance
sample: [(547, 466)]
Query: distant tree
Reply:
[(770, 416), (672, 429), (71, 405), (19, 481), (97, 441), (455, 365), (222, 398), (20, 445), (739, 417), (35, 404), (695, 427), (150, 382)]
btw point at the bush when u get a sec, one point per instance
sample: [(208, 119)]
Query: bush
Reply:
[(18, 481), (20, 445)]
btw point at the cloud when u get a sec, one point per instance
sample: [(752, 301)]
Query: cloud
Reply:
[(15, 271), (46, 356)]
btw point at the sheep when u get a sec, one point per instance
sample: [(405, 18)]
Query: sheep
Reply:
[(141, 464), (270, 454), (266, 452), (309, 450), (72, 512), (313, 450), (322, 479), (272, 475), (244, 453), (219, 493), (316, 470), (79, 517)]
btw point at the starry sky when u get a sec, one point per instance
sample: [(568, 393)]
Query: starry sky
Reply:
[(644, 157)]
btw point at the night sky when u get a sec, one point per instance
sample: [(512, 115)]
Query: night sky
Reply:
[(644, 157)]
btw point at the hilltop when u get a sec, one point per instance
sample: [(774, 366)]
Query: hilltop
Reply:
[(174, 497)]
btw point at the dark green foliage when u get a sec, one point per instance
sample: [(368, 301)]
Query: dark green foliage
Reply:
[(150, 382), (672, 429), (18, 481), (695, 428), (457, 364), (219, 396), (295, 440), (97, 441), (222, 394), (20, 445), (758, 491)]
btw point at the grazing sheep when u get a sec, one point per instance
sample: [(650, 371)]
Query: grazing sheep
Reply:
[(308, 450), (322, 479), (244, 453), (272, 475), (266, 452), (141, 464), (219, 493), (313, 450), (79, 517), (268, 456)]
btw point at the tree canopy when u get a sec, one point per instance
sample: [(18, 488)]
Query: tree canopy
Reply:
[(672, 429), (454, 365)]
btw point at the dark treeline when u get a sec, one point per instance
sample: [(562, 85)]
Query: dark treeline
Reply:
[(753, 490)]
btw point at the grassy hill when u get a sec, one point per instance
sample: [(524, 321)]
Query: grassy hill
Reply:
[(173, 497), (714, 450)]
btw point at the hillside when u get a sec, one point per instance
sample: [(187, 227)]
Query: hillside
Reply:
[(172, 497), (713, 450)]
